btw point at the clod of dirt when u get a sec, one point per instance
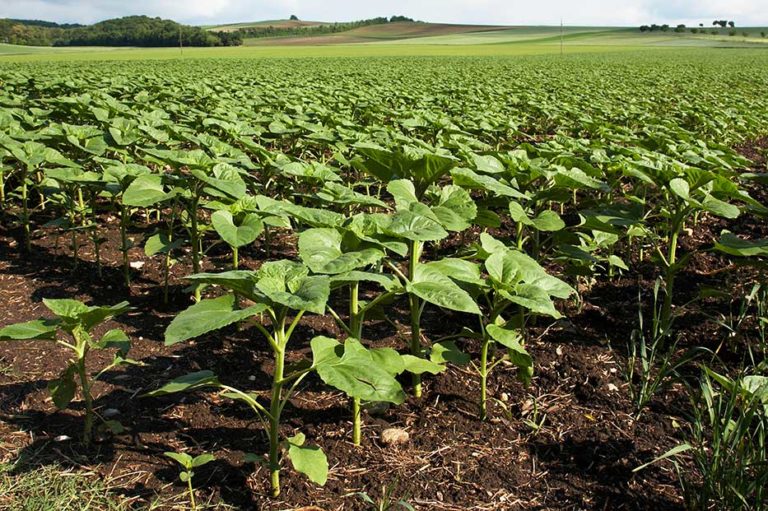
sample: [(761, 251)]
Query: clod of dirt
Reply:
[(394, 436)]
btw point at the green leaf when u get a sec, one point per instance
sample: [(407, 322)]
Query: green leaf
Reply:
[(548, 221), (403, 191), (469, 179), (244, 233), (207, 316), (115, 338), (352, 369), (459, 270), (63, 389), (447, 351), (323, 252), (145, 191), (432, 286), (420, 225), (37, 329), (733, 245), (308, 460), (191, 381), (418, 365), (680, 188), (311, 294), (183, 459), (66, 308), (160, 244), (455, 209), (720, 208), (202, 459)]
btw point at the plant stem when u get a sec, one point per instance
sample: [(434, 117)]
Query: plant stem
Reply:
[(235, 261), (25, 212), (86, 389), (356, 422), (124, 244), (191, 492), (520, 236), (274, 412), (666, 311), (194, 239), (356, 327), (484, 377), (415, 304)]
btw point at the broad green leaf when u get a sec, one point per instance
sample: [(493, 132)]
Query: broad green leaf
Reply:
[(418, 365), (237, 235), (160, 244), (416, 226), (63, 388), (145, 191), (720, 208), (548, 221), (115, 338), (731, 244), (431, 285), (352, 369), (680, 188), (403, 192), (455, 209), (66, 308), (202, 459), (447, 351), (308, 460), (183, 459), (191, 381), (207, 316), (322, 251), (37, 329)]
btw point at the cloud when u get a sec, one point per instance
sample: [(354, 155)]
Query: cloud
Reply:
[(507, 12)]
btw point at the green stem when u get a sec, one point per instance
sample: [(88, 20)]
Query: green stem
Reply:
[(356, 422), (25, 212), (235, 261), (666, 311), (415, 315), (520, 238), (484, 377), (191, 492), (88, 399), (195, 240), (124, 245), (356, 327), (355, 321), (274, 412)]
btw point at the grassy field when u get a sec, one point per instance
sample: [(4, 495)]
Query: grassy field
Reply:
[(229, 27), (413, 39)]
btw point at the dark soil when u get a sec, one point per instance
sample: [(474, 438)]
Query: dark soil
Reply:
[(569, 441)]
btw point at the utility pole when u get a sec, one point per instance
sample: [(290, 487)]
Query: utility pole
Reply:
[(181, 46), (561, 36)]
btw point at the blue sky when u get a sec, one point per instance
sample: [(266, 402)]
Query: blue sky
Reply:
[(503, 12)]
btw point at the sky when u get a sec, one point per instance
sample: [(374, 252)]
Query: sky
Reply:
[(499, 12)]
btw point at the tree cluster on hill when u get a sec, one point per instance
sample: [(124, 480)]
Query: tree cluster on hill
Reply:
[(681, 28), (128, 31), (329, 28)]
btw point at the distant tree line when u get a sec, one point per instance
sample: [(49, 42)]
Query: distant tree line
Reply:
[(700, 29), (682, 28), (329, 28), (129, 31)]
